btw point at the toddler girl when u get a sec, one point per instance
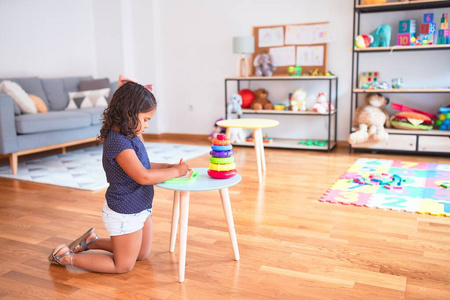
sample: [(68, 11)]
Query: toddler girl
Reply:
[(131, 176)]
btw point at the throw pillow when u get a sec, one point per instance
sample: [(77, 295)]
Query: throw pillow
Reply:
[(40, 104), (19, 96), (94, 84), (85, 99)]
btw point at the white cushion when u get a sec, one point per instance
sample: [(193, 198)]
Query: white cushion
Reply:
[(86, 99), (19, 96)]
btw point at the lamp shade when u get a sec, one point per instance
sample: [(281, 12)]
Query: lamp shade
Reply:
[(243, 44)]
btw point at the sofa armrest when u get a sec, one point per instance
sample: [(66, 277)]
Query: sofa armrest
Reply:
[(8, 134)]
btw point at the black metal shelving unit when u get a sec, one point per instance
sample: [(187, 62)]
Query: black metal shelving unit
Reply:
[(414, 139), (293, 143)]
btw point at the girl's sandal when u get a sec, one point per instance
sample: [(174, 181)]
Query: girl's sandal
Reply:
[(83, 237), (52, 258), (85, 245)]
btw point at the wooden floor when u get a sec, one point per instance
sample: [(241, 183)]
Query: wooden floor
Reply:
[(292, 246)]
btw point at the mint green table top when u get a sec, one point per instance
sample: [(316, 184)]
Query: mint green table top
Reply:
[(202, 183)]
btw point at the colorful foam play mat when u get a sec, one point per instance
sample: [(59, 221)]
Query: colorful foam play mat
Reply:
[(82, 169), (397, 185)]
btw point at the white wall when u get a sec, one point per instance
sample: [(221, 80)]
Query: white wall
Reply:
[(185, 49), (46, 38)]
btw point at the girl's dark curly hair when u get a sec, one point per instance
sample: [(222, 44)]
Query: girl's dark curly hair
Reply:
[(127, 102)]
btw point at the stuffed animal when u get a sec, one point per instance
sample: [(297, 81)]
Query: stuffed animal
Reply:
[(216, 130), (371, 119), (261, 101), (237, 135), (236, 105), (298, 100), (363, 41), (381, 36), (322, 105), (263, 64)]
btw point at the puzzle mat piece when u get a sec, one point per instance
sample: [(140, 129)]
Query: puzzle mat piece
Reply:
[(348, 184), (437, 194), (436, 183), (346, 197), (409, 165), (373, 162), (433, 207), (365, 171), (443, 175), (408, 172), (438, 167), (400, 203), (410, 191)]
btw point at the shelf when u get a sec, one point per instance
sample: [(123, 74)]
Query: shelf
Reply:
[(397, 48), (289, 144), (403, 91), (415, 132), (284, 112), (282, 78), (398, 6)]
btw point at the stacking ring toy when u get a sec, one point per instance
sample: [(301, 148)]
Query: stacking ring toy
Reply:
[(221, 148), (222, 167), (221, 142), (221, 160), (226, 153), (222, 175)]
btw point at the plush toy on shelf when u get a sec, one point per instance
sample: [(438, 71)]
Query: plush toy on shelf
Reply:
[(363, 41), (261, 100), (235, 105), (371, 118), (263, 64), (322, 105), (298, 100)]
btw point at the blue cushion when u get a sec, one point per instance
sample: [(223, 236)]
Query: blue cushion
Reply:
[(57, 90), (53, 120)]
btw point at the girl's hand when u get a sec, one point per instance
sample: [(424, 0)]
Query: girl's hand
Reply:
[(182, 168)]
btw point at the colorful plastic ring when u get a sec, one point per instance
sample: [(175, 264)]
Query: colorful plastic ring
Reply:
[(222, 175), (221, 142), (221, 160), (227, 153), (222, 167), (221, 148)]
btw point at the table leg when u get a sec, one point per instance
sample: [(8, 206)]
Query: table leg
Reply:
[(257, 140), (184, 215), (225, 197), (261, 150), (175, 219)]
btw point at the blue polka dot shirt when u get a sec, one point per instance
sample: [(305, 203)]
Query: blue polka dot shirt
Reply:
[(124, 195)]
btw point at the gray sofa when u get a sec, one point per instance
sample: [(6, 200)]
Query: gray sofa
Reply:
[(22, 134)]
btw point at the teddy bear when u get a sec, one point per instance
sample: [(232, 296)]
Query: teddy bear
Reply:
[(261, 101), (322, 105), (235, 105), (263, 64), (298, 100), (371, 118)]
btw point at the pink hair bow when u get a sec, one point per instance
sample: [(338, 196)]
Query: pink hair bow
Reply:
[(124, 79)]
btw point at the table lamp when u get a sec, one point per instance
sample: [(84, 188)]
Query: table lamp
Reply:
[(243, 45)]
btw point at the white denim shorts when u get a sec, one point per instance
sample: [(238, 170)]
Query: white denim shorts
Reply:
[(119, 224)]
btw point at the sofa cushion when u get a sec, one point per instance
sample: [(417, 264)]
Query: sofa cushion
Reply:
[(31, 85), (52, 121), (57, 90), (39, 103), (19, 96), (94, 84), (85, 99), (96, 114)]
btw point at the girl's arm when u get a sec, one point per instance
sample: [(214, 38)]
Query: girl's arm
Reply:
[(130, 163), (161, 165)]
